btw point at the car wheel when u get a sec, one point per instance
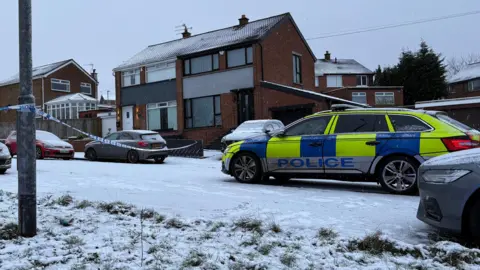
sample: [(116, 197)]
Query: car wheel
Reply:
[(132, 156), (398, 175), (474, 222), (3, 171), (246, 168), (38, 153), (160, 160), (91, 154)]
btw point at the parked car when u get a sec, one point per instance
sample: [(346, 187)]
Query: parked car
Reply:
[(384, 145), (449, 188), (145, 139), (48, 145), (5, 158), (250, 129)]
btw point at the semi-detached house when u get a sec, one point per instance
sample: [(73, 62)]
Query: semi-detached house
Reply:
[(201, 86)]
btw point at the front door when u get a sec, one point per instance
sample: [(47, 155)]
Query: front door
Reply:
[(356, 143), (127, 118), (245, 106), (300, 149)]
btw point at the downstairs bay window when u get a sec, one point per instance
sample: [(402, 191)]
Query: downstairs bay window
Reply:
[(203, 112), (162, 116)]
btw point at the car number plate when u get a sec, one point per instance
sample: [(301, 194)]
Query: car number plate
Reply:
[(64, 151), (156, 145)]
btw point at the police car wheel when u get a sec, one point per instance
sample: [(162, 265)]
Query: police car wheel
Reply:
[(398, 175), (474, 222), (246, 168)]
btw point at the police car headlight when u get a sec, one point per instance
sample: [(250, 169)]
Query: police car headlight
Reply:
[(443, 176)]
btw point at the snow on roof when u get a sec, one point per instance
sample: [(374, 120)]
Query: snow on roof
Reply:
[(197, 43), (71, 97), (36, 72), (472, 71), (342, 66), (447, 102)]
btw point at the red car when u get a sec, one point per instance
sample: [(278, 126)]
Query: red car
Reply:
[(47, 145)]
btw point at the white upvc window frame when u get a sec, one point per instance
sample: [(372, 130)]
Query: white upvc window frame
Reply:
[(361, 81), (128, 74), (89, 85), (59, 81), (159, 67), (160, 105), (359, 94), (338, 81), (384, 94)]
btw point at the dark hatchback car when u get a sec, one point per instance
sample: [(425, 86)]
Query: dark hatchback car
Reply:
[(153, 143)]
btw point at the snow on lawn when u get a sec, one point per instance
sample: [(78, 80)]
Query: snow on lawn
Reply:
[(77, 234)]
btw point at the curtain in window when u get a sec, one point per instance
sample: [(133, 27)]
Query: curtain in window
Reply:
[(202, 112)]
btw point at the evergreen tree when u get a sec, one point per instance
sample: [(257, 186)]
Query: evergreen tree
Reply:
[(422, 75)]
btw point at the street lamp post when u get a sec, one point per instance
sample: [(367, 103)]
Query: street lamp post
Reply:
[(26, 160)]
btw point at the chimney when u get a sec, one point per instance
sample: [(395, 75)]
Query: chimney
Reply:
[(335, 60), (185, 33), (243, 20), (327, 56), (94, 75)]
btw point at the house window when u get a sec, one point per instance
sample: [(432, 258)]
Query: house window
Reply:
[(60, 85), (334, 81), (201, 64), (359, 97), (162, 116), (69, 110), (86, 88), (240, 57), (131, 77), (384, 98), (160, 72), (451, 89), (316, 82), (474, 85), (362, 80), (203, 112), (297, 69)]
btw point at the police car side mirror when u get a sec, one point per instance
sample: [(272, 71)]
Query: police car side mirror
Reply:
[(280, 133)]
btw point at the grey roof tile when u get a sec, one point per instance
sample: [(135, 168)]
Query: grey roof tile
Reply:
[(36, 72)]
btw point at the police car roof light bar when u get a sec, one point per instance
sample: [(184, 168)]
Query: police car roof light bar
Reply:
[(342, 107)]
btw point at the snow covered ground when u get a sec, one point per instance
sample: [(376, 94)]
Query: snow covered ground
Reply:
[(207, 207)]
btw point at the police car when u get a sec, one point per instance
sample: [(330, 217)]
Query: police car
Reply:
[(350, 143)]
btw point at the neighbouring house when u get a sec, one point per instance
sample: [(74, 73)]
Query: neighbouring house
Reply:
[(71, 106), (466, 83), (348, 79), (51, 83), (201, 86)]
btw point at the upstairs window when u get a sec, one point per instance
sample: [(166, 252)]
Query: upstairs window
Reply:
[(297, 69), (334, 81), (201, 64), (86, 88), (60, 85), (362, 80), (384, 98), (160, 72), (240, 57), (131, 77)]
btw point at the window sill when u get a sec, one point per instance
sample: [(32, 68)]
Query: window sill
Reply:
[(62, 91), (298, 84)]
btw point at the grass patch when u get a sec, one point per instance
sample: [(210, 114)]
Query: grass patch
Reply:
[(216, 226), (9, 231), (265, 249), (455, 258), (175, 223), (288, 259), (249, 224), (148, 214), (84, 204), (64, 200), (160, 218), (73, 241), (327, 234), (274, 227), (375, 244), (254, 240), (116, 208), (194, 259)]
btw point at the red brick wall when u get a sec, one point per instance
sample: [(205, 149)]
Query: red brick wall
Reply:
[(347, 94), (460, 90), (9, 96)]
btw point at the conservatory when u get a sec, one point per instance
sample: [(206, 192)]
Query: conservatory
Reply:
[(68, 107)]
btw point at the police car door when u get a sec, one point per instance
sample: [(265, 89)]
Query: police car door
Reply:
[(299, 148), (354, 143)]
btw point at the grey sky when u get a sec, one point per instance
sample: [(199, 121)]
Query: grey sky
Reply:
[(108, 32)]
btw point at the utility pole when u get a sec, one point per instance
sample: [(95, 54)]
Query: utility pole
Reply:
[(108, 91), (26, 160)]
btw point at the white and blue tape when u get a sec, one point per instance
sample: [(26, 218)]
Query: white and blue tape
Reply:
[(32, 108)]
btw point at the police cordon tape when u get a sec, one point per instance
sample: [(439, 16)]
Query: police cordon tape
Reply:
[(32, 108)]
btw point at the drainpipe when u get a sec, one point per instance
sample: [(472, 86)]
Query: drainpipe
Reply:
[(43, 95), (261, 58)]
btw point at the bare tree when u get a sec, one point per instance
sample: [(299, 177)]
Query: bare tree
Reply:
[(454, 65)]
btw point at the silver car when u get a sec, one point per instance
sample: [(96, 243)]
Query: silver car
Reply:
[(250, 129), (155, 147), (5, 158), (449, 188)]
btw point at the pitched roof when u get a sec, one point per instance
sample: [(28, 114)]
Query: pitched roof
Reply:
[(472, 71), (43, 71), (253, 31), (71, 97), (342, 66)]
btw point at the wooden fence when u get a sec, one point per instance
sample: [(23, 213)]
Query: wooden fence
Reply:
[(89, 125)]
